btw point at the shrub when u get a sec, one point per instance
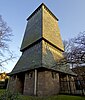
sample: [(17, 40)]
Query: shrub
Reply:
[(8, 95)]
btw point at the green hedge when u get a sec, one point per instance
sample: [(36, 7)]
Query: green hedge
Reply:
[(7, 95)]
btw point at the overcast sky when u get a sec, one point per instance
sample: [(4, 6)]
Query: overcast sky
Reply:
[(71, 15)]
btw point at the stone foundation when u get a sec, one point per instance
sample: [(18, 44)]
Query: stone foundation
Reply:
[(47, 83), (67, 84), (29, 83)]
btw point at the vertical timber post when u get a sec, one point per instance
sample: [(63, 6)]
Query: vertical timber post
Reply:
[(35, 82)]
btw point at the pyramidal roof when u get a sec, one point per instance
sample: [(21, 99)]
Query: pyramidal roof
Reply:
[(39, 9), (42, 27), (42, 24)]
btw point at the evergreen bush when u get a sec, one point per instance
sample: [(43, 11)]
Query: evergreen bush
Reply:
[(8, 95)]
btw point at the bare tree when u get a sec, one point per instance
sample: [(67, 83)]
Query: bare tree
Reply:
[(75, 49), (80, 45), (5, 35)]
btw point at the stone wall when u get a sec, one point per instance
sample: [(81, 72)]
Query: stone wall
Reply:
[(48, 83), (12, 83), (29, 83), (67, 84), (16, 83), (72, 84)]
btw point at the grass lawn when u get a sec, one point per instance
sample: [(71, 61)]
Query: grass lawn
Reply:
[(58, 97)]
